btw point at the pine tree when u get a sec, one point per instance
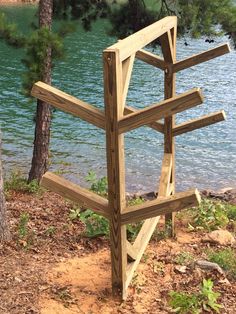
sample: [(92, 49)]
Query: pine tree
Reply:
[(39, 163), (4, 228)]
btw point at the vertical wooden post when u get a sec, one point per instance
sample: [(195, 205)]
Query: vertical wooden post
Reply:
[(114, 108), (168, 42)]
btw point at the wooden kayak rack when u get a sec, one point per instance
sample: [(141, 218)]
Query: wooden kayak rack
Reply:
[(116, 120)]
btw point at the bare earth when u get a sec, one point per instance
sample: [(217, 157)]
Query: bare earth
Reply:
[(56, 270)]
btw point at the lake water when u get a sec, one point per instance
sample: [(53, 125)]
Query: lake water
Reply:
[(205, 158)]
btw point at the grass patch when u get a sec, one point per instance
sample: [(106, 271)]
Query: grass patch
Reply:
[(17, 182), (210, 215), (195, 303), (183, 258), (226, 259)]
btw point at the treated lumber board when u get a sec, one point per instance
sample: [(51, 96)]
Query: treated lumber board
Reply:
[(199, 123), (158, 111), (127, 66), (166, 171), (201, 57), (114, 108), (161, 206), (158, 126), (169, 122), (75, 193), (167, 47), (68, 104), (143, 238), (131, 251), (151, 59), (140, 245), (138, 40)]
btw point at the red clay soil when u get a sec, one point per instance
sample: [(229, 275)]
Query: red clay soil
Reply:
[(55, 270)]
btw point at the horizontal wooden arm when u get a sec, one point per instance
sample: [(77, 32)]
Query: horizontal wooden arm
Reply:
[(75, 193), (201, 57), (151, 59), (145, 36), (199, 123), (161, 110), (158, 126), (69, 104), (161, 206)]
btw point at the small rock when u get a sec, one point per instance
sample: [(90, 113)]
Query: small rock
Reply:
[(205, 265), (220, 237), (181, 269)]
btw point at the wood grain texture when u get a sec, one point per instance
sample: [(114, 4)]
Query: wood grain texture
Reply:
[(198, 123), (158, 111), (151, 59), (161, 206), (201, 57), (127, 66), (158, 126), (165, 178), (169, 52), (68, 104), (167, 47), (75, 193), (131, 252), (138, 40), (113, 90)]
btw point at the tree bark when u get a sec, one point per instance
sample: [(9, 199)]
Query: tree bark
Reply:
[(4, 228), (40, 158)]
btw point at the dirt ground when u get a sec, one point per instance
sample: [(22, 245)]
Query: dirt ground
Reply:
[(55, 270)]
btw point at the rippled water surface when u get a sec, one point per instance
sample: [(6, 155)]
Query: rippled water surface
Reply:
[(205, 158)]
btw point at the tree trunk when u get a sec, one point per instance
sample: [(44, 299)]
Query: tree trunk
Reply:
[(40, 158), (4, 229)]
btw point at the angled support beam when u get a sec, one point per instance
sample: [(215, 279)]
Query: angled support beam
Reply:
[(161, 206), (138, 40), (131, 251), (127, 66), (75, 193), (165, 175), (167, 47), (151, 59), (201, 122), (69, 104), (161, 110), (201, 57), (148, 227), (158, 126)]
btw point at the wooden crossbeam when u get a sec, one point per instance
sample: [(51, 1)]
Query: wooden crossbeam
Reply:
[(158, 111), (68, 104), (75, 193), (201, 57), (151, 59), (165, 174), (162, 206), (127, 66), (199, 123), (138, 40), (158, 126)]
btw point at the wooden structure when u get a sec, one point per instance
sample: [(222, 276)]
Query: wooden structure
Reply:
[(118, 119)]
